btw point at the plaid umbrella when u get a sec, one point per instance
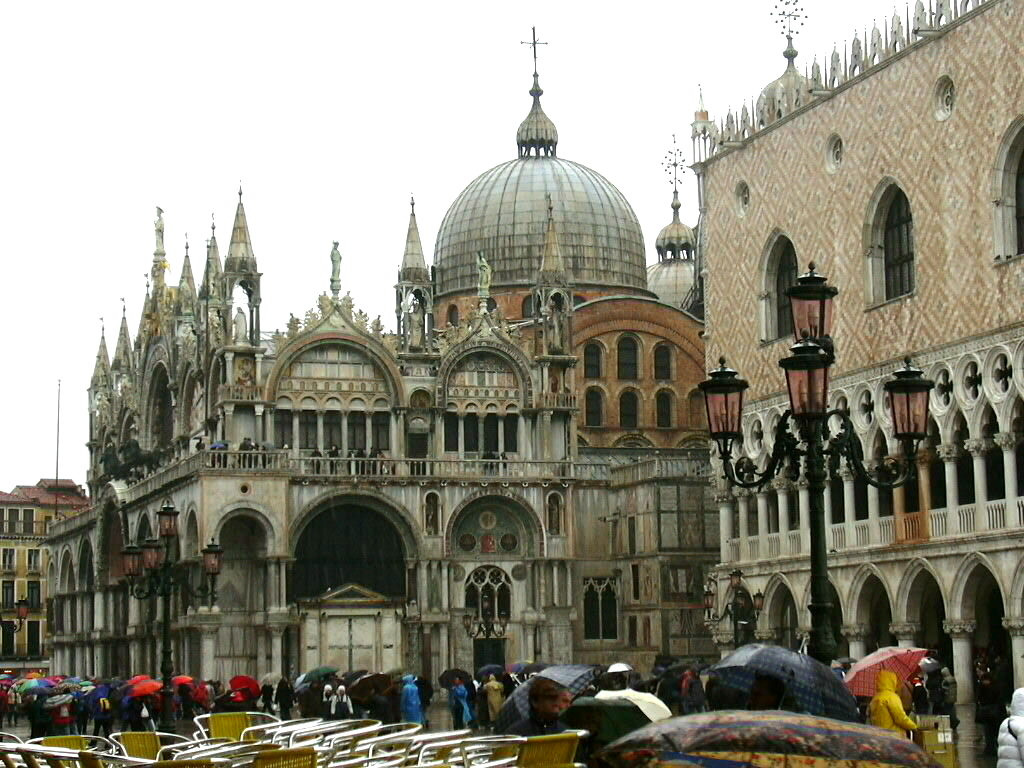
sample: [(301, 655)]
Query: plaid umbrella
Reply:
[(574, 677), (903, 661), (811, 687), (760, 740)]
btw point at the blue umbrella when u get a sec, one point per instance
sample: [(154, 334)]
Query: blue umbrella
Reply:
[(810, 686)]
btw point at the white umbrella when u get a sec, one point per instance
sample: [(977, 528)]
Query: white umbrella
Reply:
[(648, 703), (271, 679)]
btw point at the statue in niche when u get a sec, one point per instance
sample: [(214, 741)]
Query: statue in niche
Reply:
[(241, 327), (158, 225), (554, 516), (555, 325), (417, 322), (431, 519), (483, 276)]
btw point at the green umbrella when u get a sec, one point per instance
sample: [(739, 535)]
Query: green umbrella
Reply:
[(606, 719), (319, 673)]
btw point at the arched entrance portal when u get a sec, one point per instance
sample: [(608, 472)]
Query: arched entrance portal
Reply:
[(983, 600), (349, 544), (875, 610)]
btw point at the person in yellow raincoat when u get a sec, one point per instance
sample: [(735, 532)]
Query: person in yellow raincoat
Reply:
[(495, 696), (886, 709)]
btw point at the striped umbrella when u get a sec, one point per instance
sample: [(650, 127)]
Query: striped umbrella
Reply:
[(902, 661)]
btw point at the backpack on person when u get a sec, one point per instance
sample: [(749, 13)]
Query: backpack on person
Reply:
[(104, 705)]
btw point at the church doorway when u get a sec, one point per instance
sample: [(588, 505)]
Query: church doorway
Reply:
[(488, 650), (348, 543)]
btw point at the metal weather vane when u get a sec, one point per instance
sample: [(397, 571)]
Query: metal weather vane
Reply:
[(672, 163), (789, 15), (533, 43)]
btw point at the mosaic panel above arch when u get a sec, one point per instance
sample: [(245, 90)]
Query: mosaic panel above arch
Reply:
[(493, 527), (483, 376)]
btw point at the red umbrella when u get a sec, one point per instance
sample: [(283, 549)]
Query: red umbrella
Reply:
[(146, 687), (245, 683), (902, 661), (178, 680), (136, 679)]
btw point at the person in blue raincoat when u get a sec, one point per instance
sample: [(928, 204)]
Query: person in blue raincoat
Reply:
[(458, 703), (412, 710)]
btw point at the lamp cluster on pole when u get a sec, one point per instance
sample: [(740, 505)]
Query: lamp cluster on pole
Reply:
[(482, 624), (814, 445), (743, 615), (151, 571)]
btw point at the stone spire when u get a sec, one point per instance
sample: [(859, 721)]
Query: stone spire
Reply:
[(552, 267), (101, 371), (240, 256), (213, 271), (186, 272), (414, 266), (123, 361)]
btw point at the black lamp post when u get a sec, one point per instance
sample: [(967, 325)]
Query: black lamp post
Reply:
[(738, 610), (807, 373), (150, 571), (483, 624), (16, 624)]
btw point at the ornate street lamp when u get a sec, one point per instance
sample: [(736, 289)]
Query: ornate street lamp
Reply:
[(483, 625), (21, 608), (152, 571), (733, 610), (807, 379)]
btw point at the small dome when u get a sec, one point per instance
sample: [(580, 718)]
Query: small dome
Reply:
[(675, 241), (786, 92), (537, 134), (671, 280)]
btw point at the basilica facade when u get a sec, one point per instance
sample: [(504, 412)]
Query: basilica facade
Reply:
[(518, 471), (897, 169)]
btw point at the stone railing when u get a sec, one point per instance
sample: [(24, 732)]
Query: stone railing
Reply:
[(556, 400), (693, 467), (382, 469), (245, 393), (989, 517)]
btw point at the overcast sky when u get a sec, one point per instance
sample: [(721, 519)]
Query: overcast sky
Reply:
[(330, 115)]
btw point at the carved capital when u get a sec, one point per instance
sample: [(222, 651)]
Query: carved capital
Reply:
[(960, 628), (1014, 625), (802, 484), (1006, 440), (723, 497), (781, 484), (769, 636), (846, 474), (977, 446), (904, 630), (853, 632), (721, 635), (948, 451)]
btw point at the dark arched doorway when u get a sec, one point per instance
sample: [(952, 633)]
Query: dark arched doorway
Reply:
[(875, 610), (348, 544)]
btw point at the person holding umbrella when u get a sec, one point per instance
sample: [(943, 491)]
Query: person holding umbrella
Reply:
[(546, 706), (458, 703), (886, 708)]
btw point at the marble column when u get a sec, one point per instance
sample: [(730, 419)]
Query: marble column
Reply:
[(1007, 442), (874, 535), (804, 516), (1015, 626), (948, 452), (743, 519), (905, 632), (462, 435), (724, 500), (319, 430), (762, 515), (977, 448), (208, 658), (961, 633), (261, 652), (277, 664), (782, 486), (855, 635), (849, 505)]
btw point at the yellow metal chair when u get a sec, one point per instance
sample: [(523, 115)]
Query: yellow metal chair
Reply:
[(286, 758), (555, 749), (182, 764), (146, 744), (80, 743)]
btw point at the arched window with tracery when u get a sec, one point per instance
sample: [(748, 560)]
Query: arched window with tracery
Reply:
[(629, 408), (592, 361), (600, 609), (780, 274), (627, 358), (663, 362), (489, 594), (593, 408), (898, 247)]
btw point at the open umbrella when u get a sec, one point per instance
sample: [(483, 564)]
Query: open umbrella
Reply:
[(352, 675), (574, 677), (179, 679), (652, 707), (514, 668), (32, 676), (271, 678), (145, 688), (860, 678), (534, 668), (605, 719), (447, 678), (319, 674), (59, 700), (810, 686), (136, 679), (245, 683), (741, 739), (368, 685), (490, 669)]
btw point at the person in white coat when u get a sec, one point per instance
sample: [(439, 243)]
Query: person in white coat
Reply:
[(1010, 742)]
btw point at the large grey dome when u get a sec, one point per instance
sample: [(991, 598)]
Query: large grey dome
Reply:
[(504, 213)]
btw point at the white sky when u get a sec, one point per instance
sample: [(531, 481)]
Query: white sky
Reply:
[(330, 114)]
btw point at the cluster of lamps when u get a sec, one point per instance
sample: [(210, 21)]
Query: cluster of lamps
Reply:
[(815, 444), (150, 571), (484, 625), (734, 609)]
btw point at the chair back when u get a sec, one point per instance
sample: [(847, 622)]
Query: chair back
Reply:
[(286, 758), (80, 743), (138, 743), (196, 763), (10, 738), (229, 725), (549, 750)]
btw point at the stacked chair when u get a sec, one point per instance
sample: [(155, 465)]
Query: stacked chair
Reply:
[(256, 740)]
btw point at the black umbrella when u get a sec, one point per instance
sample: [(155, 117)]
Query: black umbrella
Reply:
[(447, 677), (574, 677), (490, 669), (350, 677), (533, 669)]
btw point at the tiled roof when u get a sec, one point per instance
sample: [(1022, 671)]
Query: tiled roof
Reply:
[(13, 498), (46, 498)]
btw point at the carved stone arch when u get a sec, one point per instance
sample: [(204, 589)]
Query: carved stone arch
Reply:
[(191, 377), (1017, 588), (127, 423), (976, 417), (947, 420), (158, 374), (858, 611), (512, 354), (144, 528), (86, 565), (876, 212), (512, 501), (263, 515), (1007, 409), (191, 540), (908, 606), (66, 573), (961, 599), (775, 247), (1008, 160), (774, 596), (633, 440), (396, 513)]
